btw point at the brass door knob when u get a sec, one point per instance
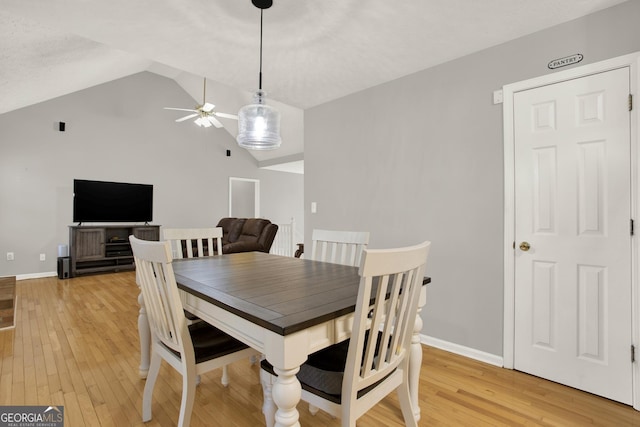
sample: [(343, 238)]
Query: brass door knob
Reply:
[(525, 246)]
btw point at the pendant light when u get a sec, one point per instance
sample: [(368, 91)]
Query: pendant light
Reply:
[(259, 123)]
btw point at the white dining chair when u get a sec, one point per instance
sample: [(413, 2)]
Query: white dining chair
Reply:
[(190, 349), (183, 241), (349, 378), (338, 247)]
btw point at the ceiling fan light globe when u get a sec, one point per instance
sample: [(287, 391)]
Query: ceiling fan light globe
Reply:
[(201, 121)]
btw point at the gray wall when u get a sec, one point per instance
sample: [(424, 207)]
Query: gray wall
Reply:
[(118, 131), (421, 158)]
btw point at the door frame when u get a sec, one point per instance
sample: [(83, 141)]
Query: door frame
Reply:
[(633, 62)]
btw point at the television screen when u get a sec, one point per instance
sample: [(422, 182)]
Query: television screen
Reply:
[(100, 201)]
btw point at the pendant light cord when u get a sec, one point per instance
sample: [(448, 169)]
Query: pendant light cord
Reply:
[(260, 77)]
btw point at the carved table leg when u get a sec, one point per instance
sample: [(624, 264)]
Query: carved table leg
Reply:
[(145, 338), (286, 394)]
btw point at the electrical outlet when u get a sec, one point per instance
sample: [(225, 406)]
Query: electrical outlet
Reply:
[(43, 257), (10, 256)]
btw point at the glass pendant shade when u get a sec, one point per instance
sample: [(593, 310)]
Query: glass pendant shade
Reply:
[(259, 125)]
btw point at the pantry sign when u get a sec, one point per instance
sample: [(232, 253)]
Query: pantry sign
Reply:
[(563, 62)]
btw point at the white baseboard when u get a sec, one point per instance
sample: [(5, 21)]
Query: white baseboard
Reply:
[(461, 350), (36, 275)]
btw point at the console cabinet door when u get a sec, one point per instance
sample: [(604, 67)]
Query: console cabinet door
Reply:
[(147, 233), (89, 243)]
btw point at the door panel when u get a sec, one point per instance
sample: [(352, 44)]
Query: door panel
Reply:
[(573, 208)]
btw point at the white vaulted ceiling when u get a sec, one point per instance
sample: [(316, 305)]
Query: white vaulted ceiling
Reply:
[(314, 51)]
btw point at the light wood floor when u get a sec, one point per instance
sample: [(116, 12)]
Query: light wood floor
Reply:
[(76, 344)]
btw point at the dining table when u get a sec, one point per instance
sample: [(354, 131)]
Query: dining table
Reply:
[(285, 307)]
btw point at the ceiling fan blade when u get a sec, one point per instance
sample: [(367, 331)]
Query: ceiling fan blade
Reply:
[(207, 107), (190, 116), (180, 109), (227, 116), (215, 121)]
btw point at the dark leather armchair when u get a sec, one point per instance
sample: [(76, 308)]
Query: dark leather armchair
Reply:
[(247, 234)]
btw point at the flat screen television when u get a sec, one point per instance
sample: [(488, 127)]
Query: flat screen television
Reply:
[(102, 201)]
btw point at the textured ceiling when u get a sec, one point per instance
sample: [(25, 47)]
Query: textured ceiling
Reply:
[(314, 51)]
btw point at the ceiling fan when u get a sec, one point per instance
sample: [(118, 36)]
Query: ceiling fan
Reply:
[(206, 116)]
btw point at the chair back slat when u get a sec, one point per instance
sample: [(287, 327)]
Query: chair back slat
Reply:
[(184, 239), (339, 247), (387, 327), (381, 334), (160, 292)]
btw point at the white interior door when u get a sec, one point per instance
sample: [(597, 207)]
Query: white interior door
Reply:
[(573, 306)]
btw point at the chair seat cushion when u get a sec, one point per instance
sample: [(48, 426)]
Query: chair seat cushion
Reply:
[(323, 372), (210, 342)]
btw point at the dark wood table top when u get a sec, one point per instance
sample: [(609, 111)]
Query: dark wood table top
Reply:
[(281, 294)]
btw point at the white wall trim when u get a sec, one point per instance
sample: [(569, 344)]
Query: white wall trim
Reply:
[(36, 275), (471, 353), (633, 62)]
